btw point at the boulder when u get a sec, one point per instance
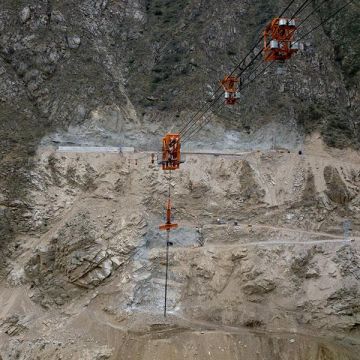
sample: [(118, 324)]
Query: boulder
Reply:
[(73, 41), (259, 287), (348, 261), (25, 14), (345, 301), (312, 273)]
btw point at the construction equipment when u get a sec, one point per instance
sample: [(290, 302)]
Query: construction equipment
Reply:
[(168, 225), (171, 159), (279, 41), (279, 45), (171, 152), (230, 85)]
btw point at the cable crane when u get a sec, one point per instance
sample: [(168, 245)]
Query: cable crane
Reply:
[(168, 226), (171, 159), (171, 152), (279, 45), (279, 41)]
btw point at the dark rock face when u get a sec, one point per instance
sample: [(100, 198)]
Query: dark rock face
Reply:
[(345, 301), (65, 60), (309, 193), (348, 261), (337, 191), (13, 325), (301, 265), (249, 187)]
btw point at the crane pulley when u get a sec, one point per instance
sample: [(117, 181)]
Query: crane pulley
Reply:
[(279, 36), (230, 85), (171, 152)]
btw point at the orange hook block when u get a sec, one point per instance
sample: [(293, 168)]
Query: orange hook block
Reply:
[(168, 225)]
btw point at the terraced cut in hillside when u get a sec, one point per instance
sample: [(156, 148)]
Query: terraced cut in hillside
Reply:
[(264, 264), (260, 266)]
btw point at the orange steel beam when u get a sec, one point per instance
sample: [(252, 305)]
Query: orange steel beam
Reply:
[(168, 225)]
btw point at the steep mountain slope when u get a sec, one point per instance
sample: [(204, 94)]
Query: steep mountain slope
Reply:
[(129, 70), (85, 276), (102, 72)]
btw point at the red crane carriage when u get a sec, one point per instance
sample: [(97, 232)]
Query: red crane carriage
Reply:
[(230, 85), (171, 152), (279, 41)]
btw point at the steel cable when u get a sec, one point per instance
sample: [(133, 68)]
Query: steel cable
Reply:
[(191, 123), (202, 124)]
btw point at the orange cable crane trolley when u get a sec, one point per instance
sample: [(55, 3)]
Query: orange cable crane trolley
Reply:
[(171, 152), (279, 41), (230, 85)]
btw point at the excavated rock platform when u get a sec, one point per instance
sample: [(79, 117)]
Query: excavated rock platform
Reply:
[(260, 265)]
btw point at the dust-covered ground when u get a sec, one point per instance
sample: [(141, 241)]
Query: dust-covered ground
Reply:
[(260, 267)]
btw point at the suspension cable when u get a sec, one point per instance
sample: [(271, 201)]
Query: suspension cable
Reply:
[(192, 122), (314, 10), (301, 8), (326, 20), (185, 128), (206, 120), (202, 124), (184, 135)]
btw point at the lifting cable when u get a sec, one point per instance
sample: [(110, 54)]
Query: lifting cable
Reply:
[(205, 121), (188, 130), (193, 127), (167, 251)]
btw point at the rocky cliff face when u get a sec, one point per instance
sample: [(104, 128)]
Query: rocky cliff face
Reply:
[(260, 249), (121, 72), (75, 227)]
